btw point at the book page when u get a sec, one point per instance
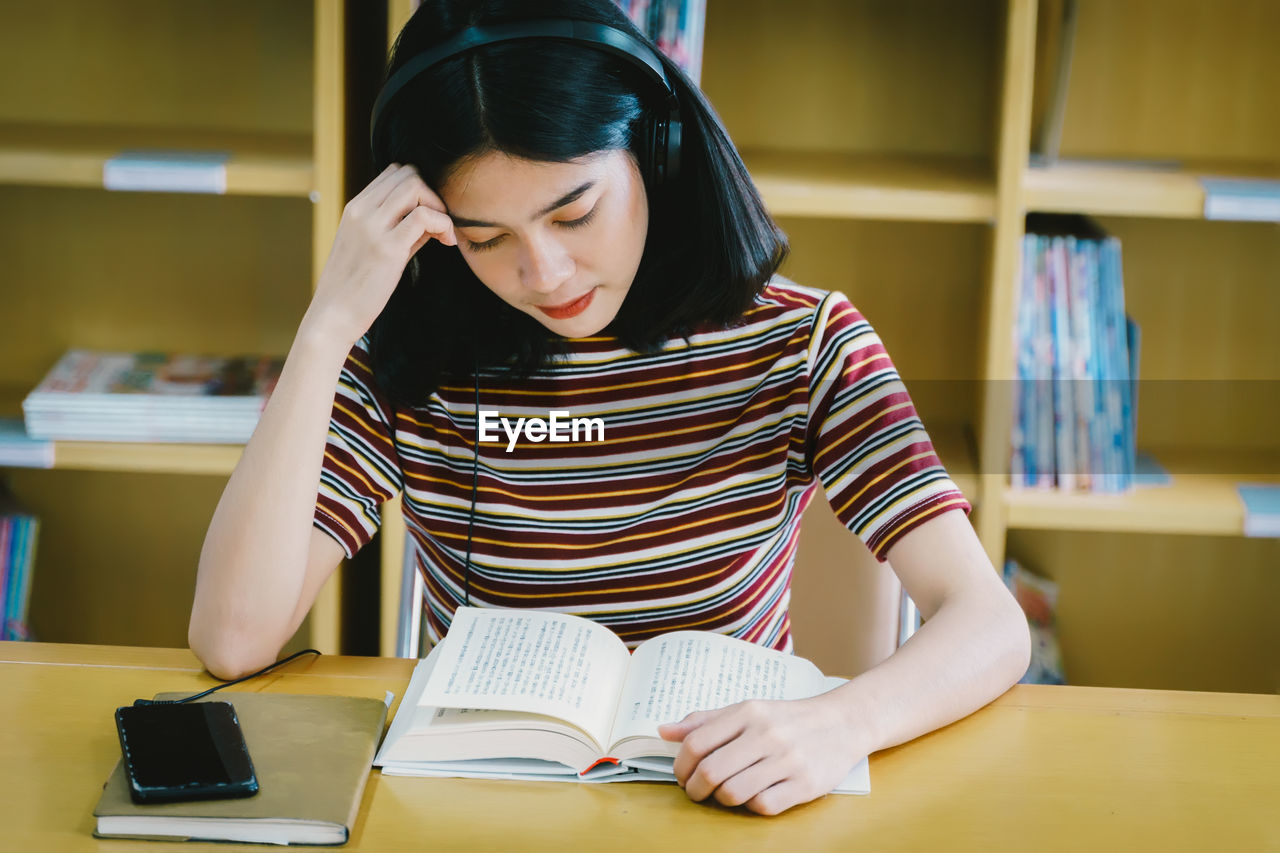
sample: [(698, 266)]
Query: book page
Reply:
[(533, 661), (675, 674)]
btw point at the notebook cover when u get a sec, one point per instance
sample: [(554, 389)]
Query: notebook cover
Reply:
[(312, 755)]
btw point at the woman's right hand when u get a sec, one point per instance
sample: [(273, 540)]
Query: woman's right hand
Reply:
[(381, 229)]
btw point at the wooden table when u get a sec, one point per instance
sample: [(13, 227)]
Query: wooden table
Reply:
[(1041, 768)]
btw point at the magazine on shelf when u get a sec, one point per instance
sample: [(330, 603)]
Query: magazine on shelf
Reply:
[(536, 695), (1076, 361), (161, 397)]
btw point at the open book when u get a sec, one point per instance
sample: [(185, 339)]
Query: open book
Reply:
[(527, 694)]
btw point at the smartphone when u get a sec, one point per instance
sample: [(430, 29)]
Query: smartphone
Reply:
[(190, 751)]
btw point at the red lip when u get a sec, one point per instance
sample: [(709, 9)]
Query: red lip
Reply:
[(569, 309)]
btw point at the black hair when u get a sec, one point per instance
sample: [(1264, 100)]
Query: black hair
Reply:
[(711, 245)]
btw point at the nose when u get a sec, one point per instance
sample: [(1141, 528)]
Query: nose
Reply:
[(545, 265)]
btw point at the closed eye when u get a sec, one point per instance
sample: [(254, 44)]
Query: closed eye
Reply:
[(580, 222), (487, 244)]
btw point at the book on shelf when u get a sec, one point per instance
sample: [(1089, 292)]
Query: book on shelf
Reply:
[(1038, 598), (18, 534), (675, 26), (1076, 351), (19, 450), (166, 170), (535, 695), (149, 396), (312, 756), (1241, 199), (1261, 508)]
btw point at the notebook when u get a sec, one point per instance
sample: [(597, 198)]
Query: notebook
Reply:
[(312, 755)]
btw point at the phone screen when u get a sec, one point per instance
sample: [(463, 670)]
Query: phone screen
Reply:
[(185, 751)]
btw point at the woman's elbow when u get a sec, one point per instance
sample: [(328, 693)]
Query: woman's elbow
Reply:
[(225, 657), (1018, 640)]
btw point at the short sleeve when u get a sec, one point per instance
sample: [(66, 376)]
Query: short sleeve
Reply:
[(866, 442), (361, 469)]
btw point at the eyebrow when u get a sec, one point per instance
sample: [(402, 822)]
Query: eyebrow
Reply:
[(567, 198)]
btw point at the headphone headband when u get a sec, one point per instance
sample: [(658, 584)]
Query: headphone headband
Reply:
[(601, 36)]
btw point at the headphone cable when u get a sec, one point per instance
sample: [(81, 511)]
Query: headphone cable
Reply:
[(475, 477)]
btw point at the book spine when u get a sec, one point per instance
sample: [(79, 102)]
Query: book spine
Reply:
[(1099, 481), (19, 556), (692, 27), (19, 577), (6, 569), (1063, 410), (1118, 374), (1081, 351), (1044, 370), (1110, 403), (1021, 467), (1131, 386)]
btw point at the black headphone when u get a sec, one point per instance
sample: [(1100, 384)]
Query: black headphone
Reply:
[(663, 145)]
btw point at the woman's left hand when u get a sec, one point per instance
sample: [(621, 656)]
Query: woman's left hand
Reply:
[(768, 755)]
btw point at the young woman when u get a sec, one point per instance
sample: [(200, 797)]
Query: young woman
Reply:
[(563, 230)]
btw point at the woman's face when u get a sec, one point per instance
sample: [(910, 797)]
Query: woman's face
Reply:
[(559, 241)]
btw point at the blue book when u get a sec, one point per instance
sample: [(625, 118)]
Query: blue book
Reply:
[(1044, 356), (1064, 419), (163, 170), (1261, 508), (1023, 460), (1241, 199), (1099, 434), (1119, 408), (19, 450)]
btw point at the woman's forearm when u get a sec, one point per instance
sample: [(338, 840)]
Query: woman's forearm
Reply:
[(969, 653), (254, 558)]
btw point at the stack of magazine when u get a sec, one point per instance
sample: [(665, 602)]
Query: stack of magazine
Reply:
[(1074, 409), (160, 397)]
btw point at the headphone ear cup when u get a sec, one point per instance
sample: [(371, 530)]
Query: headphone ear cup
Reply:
[(662, 151), (658, 152), (674, 132)]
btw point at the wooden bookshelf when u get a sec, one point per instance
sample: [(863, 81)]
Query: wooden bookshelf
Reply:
[(122, 523), (1158, 587)]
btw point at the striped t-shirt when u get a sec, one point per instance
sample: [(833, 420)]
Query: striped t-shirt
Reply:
[(678, 505)]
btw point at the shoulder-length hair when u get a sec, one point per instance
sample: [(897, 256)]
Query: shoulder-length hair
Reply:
[(711, 245)]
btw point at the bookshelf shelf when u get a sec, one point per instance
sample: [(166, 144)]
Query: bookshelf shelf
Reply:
[(869, 186), (56, 155), (1129, 189), (1197, 501), (217, 459)]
